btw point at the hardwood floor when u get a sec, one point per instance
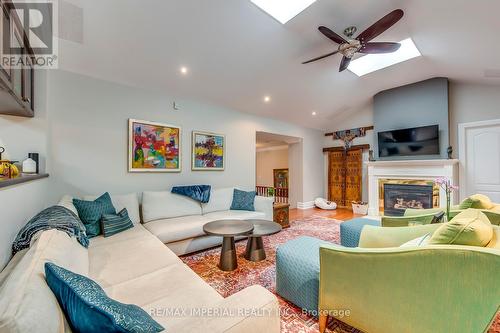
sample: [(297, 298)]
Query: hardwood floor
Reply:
[(343, 214)]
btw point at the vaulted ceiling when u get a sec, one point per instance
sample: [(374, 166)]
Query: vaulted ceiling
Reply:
[(236, 54)]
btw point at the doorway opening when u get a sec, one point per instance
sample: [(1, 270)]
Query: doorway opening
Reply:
[(278, 167)]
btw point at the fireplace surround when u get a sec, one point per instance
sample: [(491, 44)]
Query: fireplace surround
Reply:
[(408, 170), (399, 197)]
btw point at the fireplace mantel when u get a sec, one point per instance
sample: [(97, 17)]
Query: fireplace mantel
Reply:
[(400, 163), (408, 169)]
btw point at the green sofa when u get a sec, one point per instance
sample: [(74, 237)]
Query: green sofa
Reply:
[(380, 287), (425, 216)]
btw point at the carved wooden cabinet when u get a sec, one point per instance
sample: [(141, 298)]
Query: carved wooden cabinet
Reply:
[(345, 170)]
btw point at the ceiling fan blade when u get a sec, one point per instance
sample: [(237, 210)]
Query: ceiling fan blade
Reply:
[(380, 26), (332, 35), (380, 47), (344, 64), (321, 57)]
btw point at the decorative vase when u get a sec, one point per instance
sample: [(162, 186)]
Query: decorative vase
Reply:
[(29, 166)]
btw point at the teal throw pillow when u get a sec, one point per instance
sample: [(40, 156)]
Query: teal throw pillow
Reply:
[(113, 224), (88, 309), (243, 200), (91, 212)]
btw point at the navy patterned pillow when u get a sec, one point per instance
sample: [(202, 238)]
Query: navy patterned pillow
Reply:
[(243, 200), (91, 212), (115, 223), (88, 309)]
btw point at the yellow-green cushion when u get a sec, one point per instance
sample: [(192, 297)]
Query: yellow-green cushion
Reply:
[(496, 209), (470, 227), (468, 203), (482, 202)]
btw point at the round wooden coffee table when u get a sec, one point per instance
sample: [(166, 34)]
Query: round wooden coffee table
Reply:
[(255, 250), (228, 229)]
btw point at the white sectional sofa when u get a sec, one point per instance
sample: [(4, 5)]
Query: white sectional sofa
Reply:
[(178, 221), (133, 267)]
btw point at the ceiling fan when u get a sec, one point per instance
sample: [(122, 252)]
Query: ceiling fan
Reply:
[(348, 47)]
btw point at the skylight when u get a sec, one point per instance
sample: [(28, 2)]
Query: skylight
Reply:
[(283, 10), (373, 62)]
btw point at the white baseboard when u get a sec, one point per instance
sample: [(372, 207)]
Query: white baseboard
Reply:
[(305, 205)]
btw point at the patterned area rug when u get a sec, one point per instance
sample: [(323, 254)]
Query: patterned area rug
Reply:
[(263, 273)]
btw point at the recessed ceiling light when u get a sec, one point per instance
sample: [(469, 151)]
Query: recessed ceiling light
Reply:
[(184, 70), (267, 99), (283, 10), (373, 62), (314, 113)]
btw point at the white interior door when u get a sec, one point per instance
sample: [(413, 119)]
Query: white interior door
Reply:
[(480, 159)]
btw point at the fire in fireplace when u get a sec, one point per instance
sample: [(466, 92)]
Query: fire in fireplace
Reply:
[(399, 197)]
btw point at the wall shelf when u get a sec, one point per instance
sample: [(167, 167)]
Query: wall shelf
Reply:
[(5, 182)]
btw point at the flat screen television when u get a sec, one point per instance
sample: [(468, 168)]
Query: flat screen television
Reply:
[(409, 142)]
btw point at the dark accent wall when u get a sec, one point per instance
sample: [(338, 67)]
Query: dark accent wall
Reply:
[(419, 104)]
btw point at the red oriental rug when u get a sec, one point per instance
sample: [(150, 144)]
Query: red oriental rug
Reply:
[(263, 273)]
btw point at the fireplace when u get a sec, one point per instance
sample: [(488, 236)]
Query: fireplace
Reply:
[(399, 197)]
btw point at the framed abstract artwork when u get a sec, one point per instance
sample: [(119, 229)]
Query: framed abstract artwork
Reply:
[(208, 151), (153, 147)]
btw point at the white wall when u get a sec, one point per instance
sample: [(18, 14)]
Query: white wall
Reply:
[(21, 136), (268, 160), (88, 139), (469, 103)]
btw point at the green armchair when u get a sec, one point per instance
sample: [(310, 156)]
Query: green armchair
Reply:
[(425, 216), (411, 215), (381, 287), (492, 215)]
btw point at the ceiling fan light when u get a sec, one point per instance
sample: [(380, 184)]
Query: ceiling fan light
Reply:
[(374, 62)]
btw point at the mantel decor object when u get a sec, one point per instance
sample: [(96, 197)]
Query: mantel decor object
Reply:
[(29, 166), (8, 169), (349, 135)]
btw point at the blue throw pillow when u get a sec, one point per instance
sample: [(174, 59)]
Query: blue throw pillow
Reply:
[(88, 309), (115, 223), (91, 212), (243, 200)]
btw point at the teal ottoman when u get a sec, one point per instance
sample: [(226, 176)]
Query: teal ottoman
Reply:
[(297, 272), (351, 230)]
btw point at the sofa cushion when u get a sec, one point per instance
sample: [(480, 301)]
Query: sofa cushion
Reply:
[(470, 227), (235, 214), (419, 241), (220, 200), (91, 212), (481, 201), (89, 309), (243, 200), (67, 202), (467, 203), (120, 201), (164, 205), (114, 261), (195, 294), (26, 302), (184, 290), (114, 224), (178, 228)]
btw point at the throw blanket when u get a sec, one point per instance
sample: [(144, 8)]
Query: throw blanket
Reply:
[(199, 193), (55, 217)]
